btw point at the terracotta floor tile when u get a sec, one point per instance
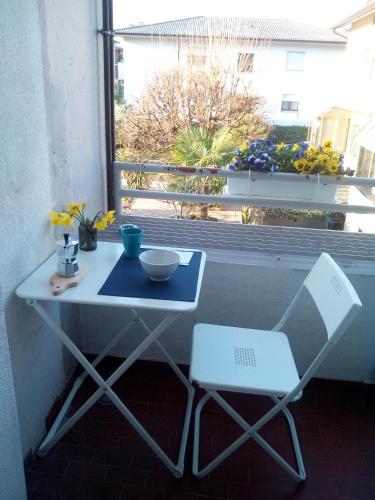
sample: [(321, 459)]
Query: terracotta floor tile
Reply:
[(104, 457)]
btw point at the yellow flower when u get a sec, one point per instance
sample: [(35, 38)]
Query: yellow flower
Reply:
[(300, 164), (55, 218), (333, 166), (312, 152), (101, 224), (334, 162), (327, 149), (327, 144), (309, 166), (296, 147), (280, 146), (66, 219), (110, 216), (75, 208), (61, 218), (323, 160)]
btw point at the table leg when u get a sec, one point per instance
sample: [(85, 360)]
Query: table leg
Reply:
[(57, 430), (190, 390)]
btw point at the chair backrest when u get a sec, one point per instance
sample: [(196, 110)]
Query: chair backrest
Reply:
[(337, 303), (334, 296)]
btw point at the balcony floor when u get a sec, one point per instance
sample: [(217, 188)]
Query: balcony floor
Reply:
[(102, 457)]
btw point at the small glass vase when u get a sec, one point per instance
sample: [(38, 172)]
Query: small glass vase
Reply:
[(88, 238)]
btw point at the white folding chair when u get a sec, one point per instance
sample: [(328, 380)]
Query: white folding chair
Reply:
[(261, 362)]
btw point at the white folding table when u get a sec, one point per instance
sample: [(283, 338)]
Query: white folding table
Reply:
[(99, 263)]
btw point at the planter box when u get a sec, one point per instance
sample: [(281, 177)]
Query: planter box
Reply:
[(278, 185)]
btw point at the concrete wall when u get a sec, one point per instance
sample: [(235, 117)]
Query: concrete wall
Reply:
[(315, 86), (12, 483), (51, 153), (255, 297)]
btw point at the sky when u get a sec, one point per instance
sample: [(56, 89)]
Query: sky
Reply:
[(319, 12)]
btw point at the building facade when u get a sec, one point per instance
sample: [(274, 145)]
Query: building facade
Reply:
[(350, 120), (294, 67)]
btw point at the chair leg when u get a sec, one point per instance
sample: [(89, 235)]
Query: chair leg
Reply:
[(197, 416), (250, 432), (295, 440)]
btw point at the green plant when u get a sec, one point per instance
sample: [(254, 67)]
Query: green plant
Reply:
[(134, 180), (288, 133), (137, 180), (294, 214), (199, 147)]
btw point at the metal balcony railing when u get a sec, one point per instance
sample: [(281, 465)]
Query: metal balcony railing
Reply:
[(367, 207)]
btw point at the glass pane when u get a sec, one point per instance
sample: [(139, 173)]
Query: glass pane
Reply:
[(187, 93)]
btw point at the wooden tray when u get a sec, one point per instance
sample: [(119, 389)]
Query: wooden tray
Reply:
[(60, 284)]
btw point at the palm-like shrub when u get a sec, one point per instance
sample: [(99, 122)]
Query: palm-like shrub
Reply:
[(199, 147)]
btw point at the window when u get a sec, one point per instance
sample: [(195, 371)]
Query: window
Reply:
[(366, 163), (177, 98), (295, 61), (289, 102), (196, 59), (245, 62), (119, 59)]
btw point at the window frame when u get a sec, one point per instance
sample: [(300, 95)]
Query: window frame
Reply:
[(113, 173), (242, 62), (287, 104), (109, 97)]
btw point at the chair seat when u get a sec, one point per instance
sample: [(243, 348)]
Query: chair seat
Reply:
[(242, 360)]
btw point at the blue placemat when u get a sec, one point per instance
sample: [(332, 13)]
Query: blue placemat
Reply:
[(128, 279)]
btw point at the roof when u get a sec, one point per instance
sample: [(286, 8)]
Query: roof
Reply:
[(360, 14), (237, 27)]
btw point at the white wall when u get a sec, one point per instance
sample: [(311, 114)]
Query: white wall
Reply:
[(255, 297), (316, 86), (12, 483), (51, 153), (356, 91)]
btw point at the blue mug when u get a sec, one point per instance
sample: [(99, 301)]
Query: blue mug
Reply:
[(124, 226), (132, 239)]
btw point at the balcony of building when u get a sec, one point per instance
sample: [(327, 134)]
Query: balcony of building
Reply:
[(54, 151)]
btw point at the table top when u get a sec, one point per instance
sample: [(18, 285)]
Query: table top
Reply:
[(99, 264)]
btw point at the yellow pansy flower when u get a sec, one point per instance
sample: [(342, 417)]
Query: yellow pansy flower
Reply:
[(312, 151), (309, 165), (280, 146), (300, 164), (333, 166), (296, 147), (323, 159), (327, 144)]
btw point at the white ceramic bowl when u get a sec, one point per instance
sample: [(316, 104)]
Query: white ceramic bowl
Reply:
[(159, 264)]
